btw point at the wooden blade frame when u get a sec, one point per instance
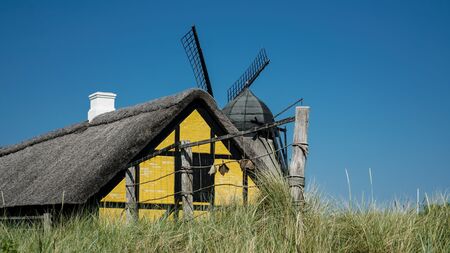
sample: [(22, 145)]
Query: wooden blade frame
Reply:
[(194, 53), (249, 76)]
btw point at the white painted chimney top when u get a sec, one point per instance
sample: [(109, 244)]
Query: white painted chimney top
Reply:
[(101, 102)]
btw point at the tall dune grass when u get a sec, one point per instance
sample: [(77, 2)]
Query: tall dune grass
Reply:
[(270, 225)]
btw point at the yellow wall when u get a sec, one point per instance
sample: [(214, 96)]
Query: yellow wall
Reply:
[(221, 149), (193, 128), (112, 213), (226, 194), (117, 194), (167, 141), (155, 169), (252, 191)]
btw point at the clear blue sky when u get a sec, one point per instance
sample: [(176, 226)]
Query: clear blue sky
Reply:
[(375, 73)]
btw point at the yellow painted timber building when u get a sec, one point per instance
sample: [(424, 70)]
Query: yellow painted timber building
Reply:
[(84, 165), (160, 184)]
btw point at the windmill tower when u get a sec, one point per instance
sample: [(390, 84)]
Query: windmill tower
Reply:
[(244, 108)]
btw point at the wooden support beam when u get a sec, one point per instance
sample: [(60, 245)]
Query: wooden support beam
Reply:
[(213, 155), (187, 182), (299, 153), (132, 193), (47, 222), (245, 188)]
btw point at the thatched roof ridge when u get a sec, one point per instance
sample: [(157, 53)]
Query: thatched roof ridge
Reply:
[(106, 118), (72, 164)]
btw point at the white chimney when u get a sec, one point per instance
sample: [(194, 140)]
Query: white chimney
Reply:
[(101, 102)]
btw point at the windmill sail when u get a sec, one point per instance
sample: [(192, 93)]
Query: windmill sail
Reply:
[(194, 53), (249, 76)]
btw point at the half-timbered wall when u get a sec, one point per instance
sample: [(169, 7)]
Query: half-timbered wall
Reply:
[(193, 128)]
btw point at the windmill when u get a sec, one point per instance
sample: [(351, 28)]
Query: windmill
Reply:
[(194, 53), (244, 109), (249, 76)]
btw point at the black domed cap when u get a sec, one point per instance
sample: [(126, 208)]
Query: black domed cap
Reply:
[(247, 111)]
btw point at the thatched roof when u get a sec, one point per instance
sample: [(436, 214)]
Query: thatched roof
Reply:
[(72, 164)]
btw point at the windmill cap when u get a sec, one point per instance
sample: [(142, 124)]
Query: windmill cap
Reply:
[(247, 111)]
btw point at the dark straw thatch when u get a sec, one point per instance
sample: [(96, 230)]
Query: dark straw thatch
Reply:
[(72, 164)]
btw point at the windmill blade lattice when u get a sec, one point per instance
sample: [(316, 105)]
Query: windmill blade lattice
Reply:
[(249, 76), (194, 53)]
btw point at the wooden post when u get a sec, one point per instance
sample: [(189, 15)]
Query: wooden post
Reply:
[(245, 187), (187, 182), (132, 193), (47, 222), (299, 153), (213, 155)]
